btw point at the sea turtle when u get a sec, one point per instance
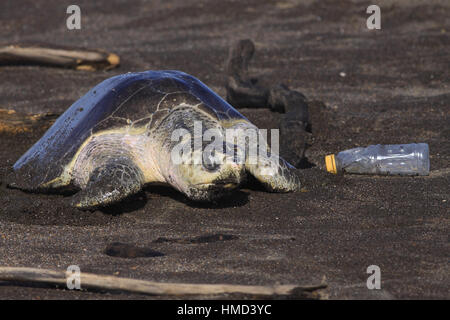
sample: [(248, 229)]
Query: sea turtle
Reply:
[(119, 136)]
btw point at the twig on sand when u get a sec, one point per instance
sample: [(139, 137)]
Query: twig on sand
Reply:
[(111, 283), (58, 56)]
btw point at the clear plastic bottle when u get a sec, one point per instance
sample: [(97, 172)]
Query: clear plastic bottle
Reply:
[(392, 159)]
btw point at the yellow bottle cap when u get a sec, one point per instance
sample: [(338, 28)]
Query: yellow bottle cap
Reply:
[(330, 162)]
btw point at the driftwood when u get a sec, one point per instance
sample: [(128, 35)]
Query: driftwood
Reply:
[(243, 91), (17, 122), (111, 283), (58, 56)]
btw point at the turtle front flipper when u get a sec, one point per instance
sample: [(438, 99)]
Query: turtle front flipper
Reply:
[(274, 173), (110, 183)]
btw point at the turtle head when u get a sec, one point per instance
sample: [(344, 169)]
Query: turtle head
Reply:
[(205, 175)]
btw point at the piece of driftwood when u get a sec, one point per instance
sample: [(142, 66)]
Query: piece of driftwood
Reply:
[(111, 283), (58, 56), (294, 124), (17, 122), (243, 91)]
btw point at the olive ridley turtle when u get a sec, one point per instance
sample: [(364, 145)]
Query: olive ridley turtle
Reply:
[(120, 136)]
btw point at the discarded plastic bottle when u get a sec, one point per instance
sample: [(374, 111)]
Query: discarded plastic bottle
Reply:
[(392, 159)]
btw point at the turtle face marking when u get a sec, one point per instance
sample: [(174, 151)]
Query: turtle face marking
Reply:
[(123, 139)]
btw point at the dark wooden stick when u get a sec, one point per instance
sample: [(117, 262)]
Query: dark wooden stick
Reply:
[(16, 122), (242, 92), (58, 56), (103, 282)]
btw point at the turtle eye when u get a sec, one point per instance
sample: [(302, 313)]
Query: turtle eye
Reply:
[(210, 161)]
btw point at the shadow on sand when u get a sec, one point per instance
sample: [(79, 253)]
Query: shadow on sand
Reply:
[(237, 198)]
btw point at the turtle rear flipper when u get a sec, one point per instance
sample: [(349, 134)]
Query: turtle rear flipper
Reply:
[(110, 183)]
